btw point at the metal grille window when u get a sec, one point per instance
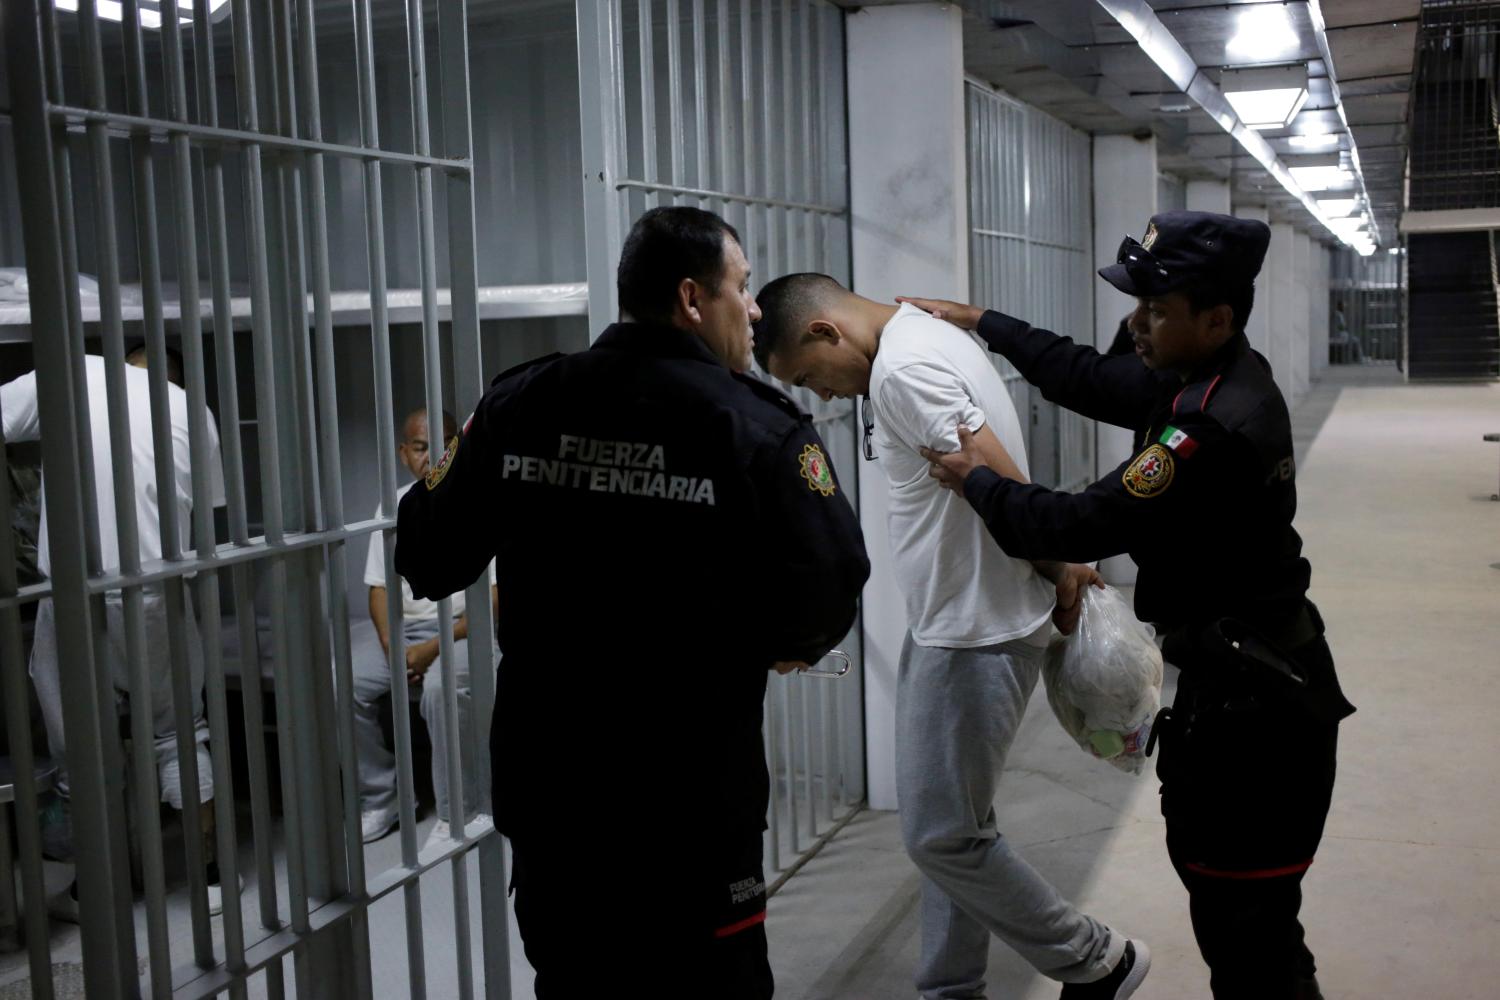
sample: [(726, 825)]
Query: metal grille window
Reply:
[(1029, 245), (738, 108), (1455, 112), (180, 151), (1366, 307)]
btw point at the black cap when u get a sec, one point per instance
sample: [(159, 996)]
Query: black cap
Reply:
[(1181, 247)]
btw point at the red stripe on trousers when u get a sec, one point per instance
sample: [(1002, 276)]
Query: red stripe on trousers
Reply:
[(1253, 873), (746, 924)]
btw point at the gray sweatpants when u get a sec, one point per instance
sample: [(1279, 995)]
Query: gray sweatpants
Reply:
[(377, 764), (957, 711), (47, 677)]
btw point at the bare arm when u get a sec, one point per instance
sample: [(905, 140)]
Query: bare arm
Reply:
[(379, 617)]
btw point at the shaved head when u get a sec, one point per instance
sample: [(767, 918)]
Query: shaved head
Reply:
[(787, 306), (415, 425)]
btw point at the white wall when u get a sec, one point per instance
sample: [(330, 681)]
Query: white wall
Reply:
[(1278, 274), (1317, 312), (1125, 192), (1259, 327), (1208, 196), (1300, 353), (908, 209)]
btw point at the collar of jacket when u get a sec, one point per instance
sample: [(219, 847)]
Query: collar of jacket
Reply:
[(657, 340), (1232, 349)]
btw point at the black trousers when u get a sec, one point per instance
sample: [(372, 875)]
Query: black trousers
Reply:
[(594, 925), (1246, 785)]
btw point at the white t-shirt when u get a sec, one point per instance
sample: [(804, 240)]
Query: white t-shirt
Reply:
[(18, 403), (961, 589), (413, 608)]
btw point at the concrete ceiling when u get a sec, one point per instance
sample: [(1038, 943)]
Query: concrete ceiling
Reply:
[(1071, 59)]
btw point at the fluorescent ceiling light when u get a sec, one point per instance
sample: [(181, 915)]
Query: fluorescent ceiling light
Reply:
[(1336, 207), (1265, 97), (1314, 141), (1263, 33), (1322, 178), (1266, 109)]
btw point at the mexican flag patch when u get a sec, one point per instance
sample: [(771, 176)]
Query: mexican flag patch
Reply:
[(1178, 441)]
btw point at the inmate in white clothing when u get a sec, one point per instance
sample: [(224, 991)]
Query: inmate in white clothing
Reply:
[(413, 608), (18, 404), (961, 589)]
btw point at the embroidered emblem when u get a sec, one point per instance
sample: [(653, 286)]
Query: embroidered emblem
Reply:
[(1150, 236), (816, 471), (435, 475), (1150, 473)]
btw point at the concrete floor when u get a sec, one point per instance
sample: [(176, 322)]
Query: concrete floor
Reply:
[(1394, 483)]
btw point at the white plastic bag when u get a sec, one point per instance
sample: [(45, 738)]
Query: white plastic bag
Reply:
[(1104, 681)]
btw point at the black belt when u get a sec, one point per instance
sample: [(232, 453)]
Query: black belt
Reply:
[(1234, 655)]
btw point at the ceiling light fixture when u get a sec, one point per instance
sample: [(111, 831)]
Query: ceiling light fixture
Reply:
[(1263, 33), (1141, 22), (1336, 208), (1266, 97), (1314, 141)]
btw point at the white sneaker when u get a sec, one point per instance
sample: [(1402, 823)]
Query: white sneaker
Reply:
[(64, 905), (216, 896), (376, 823), (440, 831)]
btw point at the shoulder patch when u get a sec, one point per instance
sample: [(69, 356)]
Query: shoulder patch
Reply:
[(436, 473), (814, 468), (1150, 474)]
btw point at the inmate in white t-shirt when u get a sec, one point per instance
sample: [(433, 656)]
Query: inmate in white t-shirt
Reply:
[(18, 404), (961, 589), (413, 608)]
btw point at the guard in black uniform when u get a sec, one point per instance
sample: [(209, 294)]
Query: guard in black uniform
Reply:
[(667, 529), (1205, 509)]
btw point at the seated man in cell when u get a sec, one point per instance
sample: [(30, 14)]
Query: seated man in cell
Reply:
[(424, 669)]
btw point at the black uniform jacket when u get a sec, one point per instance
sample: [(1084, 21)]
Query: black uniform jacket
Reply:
[(1205, 504), (664, 530)]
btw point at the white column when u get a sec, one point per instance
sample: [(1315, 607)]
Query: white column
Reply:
[(909, 234), (1124, 200), (1317, 313), (1258, 329), (1301, 334), (1278, 269), (1208, 196)]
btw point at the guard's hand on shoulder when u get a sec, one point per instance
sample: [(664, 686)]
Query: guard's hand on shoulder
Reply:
[(965, 317)]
